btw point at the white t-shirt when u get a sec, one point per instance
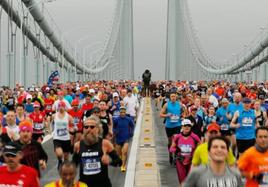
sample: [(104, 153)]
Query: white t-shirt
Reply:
[(131, 104)]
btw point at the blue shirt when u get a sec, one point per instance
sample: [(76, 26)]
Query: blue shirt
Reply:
[(233, 107), (29, 108), (123, 129), (175, 110), (246, 129), (222, 119)]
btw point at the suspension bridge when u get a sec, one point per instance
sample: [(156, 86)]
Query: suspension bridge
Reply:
[(32, 46), (30, 38)]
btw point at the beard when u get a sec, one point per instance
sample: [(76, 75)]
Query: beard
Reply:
[(91, 138)]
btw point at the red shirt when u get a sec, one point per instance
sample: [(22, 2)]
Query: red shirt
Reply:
[(21, 99), (24, 177), (77, 118), (48, 105), (38, 119), (86, 106)]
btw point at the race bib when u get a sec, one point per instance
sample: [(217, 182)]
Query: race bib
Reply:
[(263, 181), (48, 107), (91, 166), (224, 127), (185, 149), (174, 118), (247, 121), (62, 132), (76, 120), (38, 126)]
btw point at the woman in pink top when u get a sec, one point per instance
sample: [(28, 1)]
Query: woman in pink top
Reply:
[(183, 146)]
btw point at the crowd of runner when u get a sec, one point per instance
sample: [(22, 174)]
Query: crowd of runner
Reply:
[(91, 122), (219, 126), (217, 131)]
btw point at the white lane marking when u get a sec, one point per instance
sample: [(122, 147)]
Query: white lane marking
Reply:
[(46, 138), (131, 165)]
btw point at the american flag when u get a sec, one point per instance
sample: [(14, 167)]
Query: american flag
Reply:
[(54, 77)]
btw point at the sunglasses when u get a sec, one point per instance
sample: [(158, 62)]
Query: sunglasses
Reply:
[(89, 126), (10, 155), (187, 125)]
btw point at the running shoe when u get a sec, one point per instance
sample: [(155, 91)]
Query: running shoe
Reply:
[(123, 168)]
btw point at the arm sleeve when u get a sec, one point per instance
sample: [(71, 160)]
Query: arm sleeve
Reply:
[(196, 157), (242, 163), (116, 161), (231, 157)]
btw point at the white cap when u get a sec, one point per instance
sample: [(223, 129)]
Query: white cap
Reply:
[(91, 90), (29, 96), (186, 122), (115, 94)]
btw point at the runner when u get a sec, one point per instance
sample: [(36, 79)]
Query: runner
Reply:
[(172, 112), (20, 113), (33, 152), (201, 156), (244, 121), (39, 123), (14, 173), (106, 121), (67, 174), (183, 146), (61, 122), (222, 119), (231, 109), (123, 130), (77, 114), (253, 163), (114, 105), (11, 126), (94, 154), (217, 172)]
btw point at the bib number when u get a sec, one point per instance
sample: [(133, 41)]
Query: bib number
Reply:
[(38, 126), (48, 107), (224, 127), (247, 122), (76, 120), (185, 149), (62, 132), (91, 166), (174, 118)]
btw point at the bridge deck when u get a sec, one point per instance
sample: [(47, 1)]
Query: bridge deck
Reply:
[(151, 164)]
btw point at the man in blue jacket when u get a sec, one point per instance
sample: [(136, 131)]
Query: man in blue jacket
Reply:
[(123, 129)]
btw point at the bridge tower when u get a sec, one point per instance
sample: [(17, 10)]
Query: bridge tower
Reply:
[(123, 52)]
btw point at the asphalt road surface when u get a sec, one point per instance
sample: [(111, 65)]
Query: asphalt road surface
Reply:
[(168, 173), (51, 173)]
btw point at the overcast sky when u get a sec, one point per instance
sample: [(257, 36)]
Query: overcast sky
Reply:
[(224, 27)]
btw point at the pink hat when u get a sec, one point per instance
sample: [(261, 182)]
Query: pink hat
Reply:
[(26, 126)]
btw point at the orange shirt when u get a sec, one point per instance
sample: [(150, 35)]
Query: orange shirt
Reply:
[(253, 161)]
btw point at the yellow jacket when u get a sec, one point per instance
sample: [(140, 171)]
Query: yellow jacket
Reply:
[(58, 183)]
